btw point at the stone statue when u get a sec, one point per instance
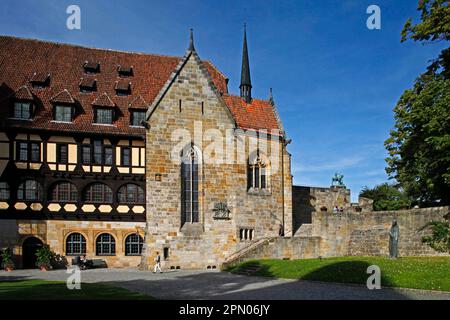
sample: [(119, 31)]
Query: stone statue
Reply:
[(337, 180), (393, 240)]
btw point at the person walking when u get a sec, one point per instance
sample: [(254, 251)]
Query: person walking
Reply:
[(157, 263)]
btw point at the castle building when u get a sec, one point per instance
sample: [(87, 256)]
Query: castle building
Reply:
[(120, 155)]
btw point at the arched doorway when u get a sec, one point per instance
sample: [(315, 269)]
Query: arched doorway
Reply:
[(29, 248)]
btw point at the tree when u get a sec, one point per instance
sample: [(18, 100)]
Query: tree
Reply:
[(435, 25), (439, 239), (386, 197), (419, 144)]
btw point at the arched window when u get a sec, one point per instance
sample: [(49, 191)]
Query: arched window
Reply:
[(30, 190), (257, 172), (189, 185), (4, 191), (75, 245), (133, 245), (98, 193), (64, 192), (131, 193), (105, 245)]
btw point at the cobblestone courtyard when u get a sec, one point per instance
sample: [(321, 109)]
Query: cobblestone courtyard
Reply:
[(214, 285)]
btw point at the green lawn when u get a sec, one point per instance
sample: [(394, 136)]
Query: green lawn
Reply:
[(431, 273), (48, 290)]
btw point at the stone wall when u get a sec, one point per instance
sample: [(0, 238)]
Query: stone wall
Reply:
[(192, 105), (306, 200), (352, 234), (368, 233)]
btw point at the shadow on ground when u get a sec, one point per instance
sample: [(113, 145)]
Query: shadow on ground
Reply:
[(215, 285)]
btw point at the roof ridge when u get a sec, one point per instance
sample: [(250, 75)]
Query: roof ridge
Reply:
[(237, 96), (90, 48), (215, 68), (61, 93)]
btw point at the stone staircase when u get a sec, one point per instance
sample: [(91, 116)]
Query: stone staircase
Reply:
[(242, 254), (248, 269), (305, 230)]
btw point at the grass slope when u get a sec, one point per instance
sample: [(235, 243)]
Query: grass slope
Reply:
[(49, 290), (430, 273)]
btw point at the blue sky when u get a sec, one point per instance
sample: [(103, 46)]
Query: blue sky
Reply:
[(335, 82)]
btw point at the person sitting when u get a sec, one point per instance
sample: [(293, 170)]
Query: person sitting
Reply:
[(83, 262)]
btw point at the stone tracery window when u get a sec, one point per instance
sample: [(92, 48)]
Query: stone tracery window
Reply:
[(258, 169), (189, 185)]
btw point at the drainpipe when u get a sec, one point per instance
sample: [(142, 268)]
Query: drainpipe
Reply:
[(284, 143)]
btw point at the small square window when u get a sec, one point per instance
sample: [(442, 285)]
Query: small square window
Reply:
[(137, 117), (63, 113), (22, 110), (104, 116)]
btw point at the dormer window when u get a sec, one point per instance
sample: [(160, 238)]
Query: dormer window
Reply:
[(125, 70), (123, 88), (22, 110), (91, 67), (104, 115), (64, 113), (137, 117), (40, 80), (87, 85)]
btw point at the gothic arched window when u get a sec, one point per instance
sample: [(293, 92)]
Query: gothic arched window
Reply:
[(189, 185), (257, 172)]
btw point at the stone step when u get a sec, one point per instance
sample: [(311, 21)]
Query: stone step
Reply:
[(305, 230)]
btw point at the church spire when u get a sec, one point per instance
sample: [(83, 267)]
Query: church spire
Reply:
[(191, 40), (271, 101), (246, 83)]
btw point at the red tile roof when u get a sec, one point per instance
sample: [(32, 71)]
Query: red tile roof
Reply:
[(21, 58), (40, 77), (138, 103), (63, 97), (259, 114), (103, 100), (23, 93)]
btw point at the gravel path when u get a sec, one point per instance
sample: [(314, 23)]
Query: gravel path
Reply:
[(184, 284)]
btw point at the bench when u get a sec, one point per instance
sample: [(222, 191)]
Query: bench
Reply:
[(92, 263), (97, 263)]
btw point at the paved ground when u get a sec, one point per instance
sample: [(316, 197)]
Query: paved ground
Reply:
[(222, 285)]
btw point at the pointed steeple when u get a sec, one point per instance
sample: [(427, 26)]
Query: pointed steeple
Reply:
[(271, 101), (246, 83), (191, 40)]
